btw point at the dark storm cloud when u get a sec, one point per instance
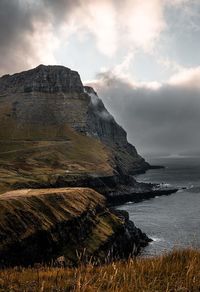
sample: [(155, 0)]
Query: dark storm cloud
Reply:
[(60, 8), (18, 24), (11, 24), (164, 120)]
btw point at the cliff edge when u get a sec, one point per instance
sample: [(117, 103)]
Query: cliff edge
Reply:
[(72, 225)]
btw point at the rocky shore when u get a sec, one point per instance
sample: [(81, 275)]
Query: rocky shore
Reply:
[(118, 189), (138, 196)]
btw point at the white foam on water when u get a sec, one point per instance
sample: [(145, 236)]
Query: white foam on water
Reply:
[(156, 239), (165, 185), (128, 203)]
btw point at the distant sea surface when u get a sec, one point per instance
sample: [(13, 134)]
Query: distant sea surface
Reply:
[(171, 221)]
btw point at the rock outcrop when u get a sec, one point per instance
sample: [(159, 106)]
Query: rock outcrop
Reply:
[(47, 79), (43, 225)]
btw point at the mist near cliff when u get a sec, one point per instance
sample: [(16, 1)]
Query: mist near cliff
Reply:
[(160, 120)]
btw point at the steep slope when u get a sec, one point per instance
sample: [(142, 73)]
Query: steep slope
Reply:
[(38, 104), (101, 124), (44, 224)]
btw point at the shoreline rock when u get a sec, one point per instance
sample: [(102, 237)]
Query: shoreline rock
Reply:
[(138, 197), (119, 189)]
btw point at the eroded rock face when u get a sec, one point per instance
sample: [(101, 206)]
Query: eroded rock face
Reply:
[(34, 101), (42, 225), (48, 79)]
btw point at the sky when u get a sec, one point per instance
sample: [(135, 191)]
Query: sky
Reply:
[(141, 56)]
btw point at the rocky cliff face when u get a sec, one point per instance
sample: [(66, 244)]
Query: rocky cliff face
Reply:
[(47, 79), (36, 102), (71, 225), (101, 124)]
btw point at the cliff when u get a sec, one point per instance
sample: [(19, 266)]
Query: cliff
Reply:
[(101, 124), (49, 121), (72, 225), (56, 133)]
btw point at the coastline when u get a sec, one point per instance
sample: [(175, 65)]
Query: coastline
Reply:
[(138, 197), (119, 189), (116, 190)]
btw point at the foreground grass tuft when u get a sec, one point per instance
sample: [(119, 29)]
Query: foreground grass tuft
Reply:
[(176, 271)]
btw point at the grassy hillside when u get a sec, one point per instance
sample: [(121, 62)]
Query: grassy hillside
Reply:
[(177, 271), (40, 161), (39, 225)]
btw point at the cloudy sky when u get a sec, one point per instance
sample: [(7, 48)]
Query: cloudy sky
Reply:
[(142, 56)]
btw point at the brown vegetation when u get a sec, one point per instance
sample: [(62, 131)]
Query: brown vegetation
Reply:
[(177, 271), (27, 163), (38, 225)]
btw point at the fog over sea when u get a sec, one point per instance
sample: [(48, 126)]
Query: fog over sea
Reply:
[(171, 221)]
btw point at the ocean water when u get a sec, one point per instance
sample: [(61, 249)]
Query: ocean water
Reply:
[(171, 221)]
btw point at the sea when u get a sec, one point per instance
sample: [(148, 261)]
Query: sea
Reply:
[(171, 221)]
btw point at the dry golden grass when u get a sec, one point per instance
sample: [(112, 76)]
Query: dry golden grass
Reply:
[(177, 271), (36, 213), (26, 163), (42, 209)]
